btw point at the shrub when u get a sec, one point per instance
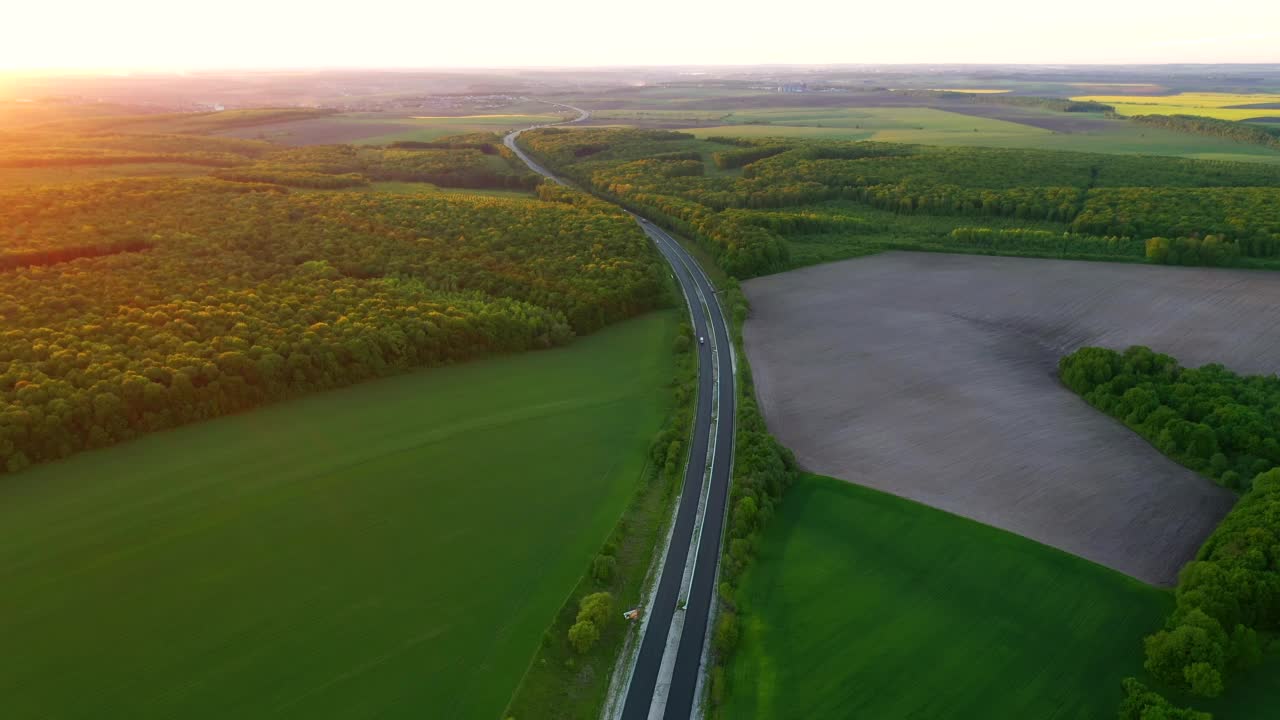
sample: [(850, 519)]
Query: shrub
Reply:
[(602, 568)]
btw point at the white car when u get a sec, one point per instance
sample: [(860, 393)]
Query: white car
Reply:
[(702, 340)]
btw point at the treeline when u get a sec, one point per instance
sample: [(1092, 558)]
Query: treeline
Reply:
[(763, 469), (1047, 243), (487, 143), (1248, 216), (1002, 168), (1141, 703), (1210, 419), (1213, 127), (1227, 596), (1211, 251), (245, 294)]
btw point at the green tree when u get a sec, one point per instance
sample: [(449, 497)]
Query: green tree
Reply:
[(596, 608), (1199, 639), (1203, 679), (583, 636)]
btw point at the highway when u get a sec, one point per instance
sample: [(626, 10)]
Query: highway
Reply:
[(649, 692)]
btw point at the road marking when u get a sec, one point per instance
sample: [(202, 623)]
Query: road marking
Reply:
[(670, 248)]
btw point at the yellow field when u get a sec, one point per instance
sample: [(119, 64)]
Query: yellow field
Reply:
[(1215, 105)]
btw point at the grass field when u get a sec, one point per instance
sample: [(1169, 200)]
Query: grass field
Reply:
[(382, 128), (866, 605), (390, 550), (938, 127), (1216, 105)]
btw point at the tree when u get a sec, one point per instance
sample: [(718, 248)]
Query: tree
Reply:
[(1246, 650), (596, 608), (1198, 640), (1203, 679), (583, 635), (1141, 703)]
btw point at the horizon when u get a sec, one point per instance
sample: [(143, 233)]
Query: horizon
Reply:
[(150, 36)]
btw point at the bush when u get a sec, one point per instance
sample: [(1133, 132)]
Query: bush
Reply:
[(726, 635), (602, 568)]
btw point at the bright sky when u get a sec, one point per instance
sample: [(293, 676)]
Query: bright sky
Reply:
[(176, 35)]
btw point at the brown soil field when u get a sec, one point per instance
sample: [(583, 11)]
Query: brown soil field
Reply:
[(933, 377), (1045, 119)]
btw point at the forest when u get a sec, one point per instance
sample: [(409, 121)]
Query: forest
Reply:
[(1244, 132), (1226, 426), (749, 198), (135, 305), (1210, 419)]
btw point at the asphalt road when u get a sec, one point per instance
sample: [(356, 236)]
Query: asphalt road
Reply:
[(684, 680), (710, 323)]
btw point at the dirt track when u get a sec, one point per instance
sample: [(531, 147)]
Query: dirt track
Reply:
[(933, 377)]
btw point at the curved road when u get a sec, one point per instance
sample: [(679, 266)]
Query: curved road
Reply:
[(710, 459)]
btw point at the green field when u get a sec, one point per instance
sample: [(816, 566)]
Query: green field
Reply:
[(866, 605), (927, 126), (393, 550)]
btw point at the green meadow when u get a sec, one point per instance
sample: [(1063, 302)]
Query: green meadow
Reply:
[(862, 604), (393, 549), (927, 126)]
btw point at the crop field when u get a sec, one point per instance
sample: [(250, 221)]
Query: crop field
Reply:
[(988, 126), (380, 128), (933, 377), (349, 554), (862, 604), (1224, 106)]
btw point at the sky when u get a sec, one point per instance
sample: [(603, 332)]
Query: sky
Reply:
[(172, 35)]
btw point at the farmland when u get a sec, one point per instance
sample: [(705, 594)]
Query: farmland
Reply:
[(364, 552), (748, 201), (984, 429), (1224, 106), (866, 605), (896, 119), (934, 377)]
